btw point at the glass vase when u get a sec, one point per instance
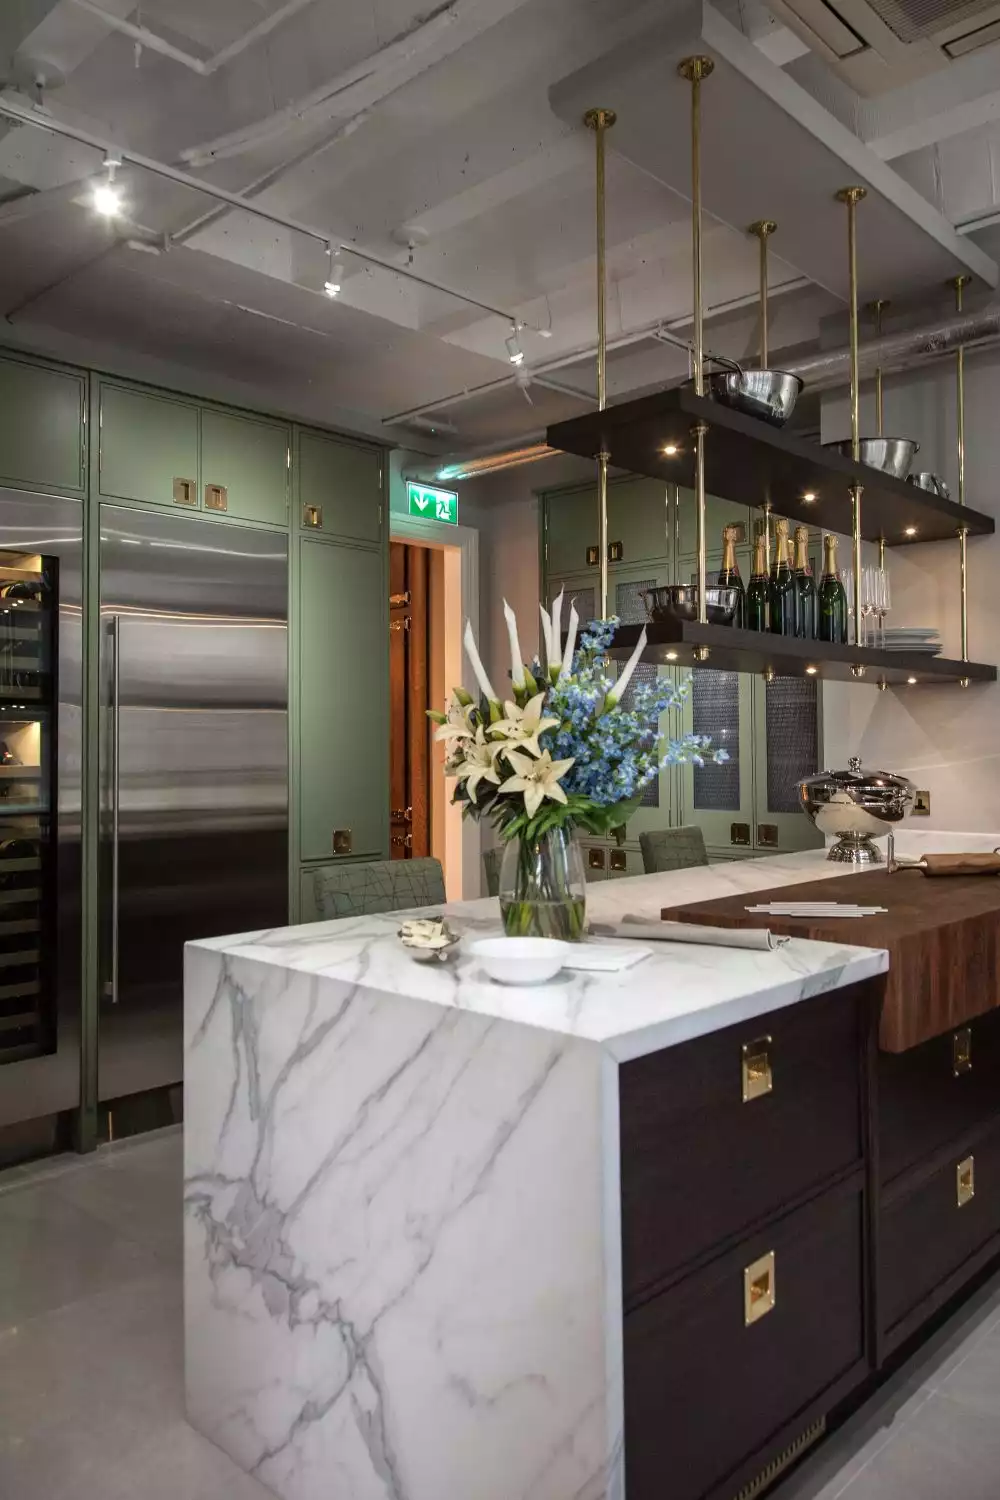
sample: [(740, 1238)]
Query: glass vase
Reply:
[(543, 888)]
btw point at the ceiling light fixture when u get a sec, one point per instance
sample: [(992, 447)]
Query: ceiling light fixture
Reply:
[(810, 671), (911, 681), (671, 450), (671, 656), (107, 196), (334, 274), (809, 497), (514, 351), (911, 531)]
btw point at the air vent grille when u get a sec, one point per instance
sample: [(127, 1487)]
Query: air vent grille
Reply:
[(916, 20)]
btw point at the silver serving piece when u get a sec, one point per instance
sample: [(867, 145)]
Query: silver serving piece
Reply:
[(892, 455), (679, 601), (933, 483), (768, 394), (429, 940), (855, 807)]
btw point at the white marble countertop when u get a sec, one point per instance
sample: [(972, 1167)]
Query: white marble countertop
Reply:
[(679, 992)]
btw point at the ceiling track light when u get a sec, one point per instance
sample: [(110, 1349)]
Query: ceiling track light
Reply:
[(107, 196), (514, 351), (334, 274)]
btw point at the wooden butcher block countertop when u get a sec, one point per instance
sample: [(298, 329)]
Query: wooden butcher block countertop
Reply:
[(942, 934)]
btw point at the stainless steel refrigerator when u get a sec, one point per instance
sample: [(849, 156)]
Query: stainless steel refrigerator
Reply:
[(194, 768)]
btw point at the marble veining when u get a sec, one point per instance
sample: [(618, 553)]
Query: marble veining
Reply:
[(402, 1231)]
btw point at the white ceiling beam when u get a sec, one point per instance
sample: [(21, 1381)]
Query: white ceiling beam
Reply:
[(204, 66), (959, 98), (566, 155)]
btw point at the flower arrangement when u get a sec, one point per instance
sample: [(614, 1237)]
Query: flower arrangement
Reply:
[(571, 748)]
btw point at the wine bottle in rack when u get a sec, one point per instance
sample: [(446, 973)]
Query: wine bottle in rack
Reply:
[(782, 598), (832, 601), (757, 616), (805, 586), (729, 574)]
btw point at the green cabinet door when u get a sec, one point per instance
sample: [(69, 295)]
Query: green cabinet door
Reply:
[(571, 524), (42, 432), (149, 447), (787, 737), (343, 651), (718, 513), (339, 487), (638, 521), (244, 466), (719, 798)]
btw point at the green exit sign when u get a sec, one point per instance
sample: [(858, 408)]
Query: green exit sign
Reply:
[(434, 505)]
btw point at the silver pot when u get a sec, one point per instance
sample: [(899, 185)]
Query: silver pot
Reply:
[(933, 483), (892, 455), (768, 394), (679, 601), (855, 806)]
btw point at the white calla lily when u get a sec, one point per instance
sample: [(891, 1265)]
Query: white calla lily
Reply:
[(573, 627), (536, 779), (555, 655), (615, 695), (471, 651), (546, 633), (516, 664)]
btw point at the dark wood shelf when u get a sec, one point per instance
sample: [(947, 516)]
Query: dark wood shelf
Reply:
[(750, 462), (674, 644)]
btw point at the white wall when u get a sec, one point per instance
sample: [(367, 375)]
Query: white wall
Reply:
[(946, 739)]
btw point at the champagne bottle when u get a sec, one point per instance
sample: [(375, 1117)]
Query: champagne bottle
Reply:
[(805, 586), (832, 600), (729, 574), (756, 603), (782, 598)]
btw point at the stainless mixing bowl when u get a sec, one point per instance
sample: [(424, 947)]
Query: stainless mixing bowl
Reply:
[(855, 806), (892, 455), (933, 483), (768, 394), (679, 601)]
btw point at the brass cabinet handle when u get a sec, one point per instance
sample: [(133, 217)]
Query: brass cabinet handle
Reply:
[(185, 492), (965, 1181), (401, 815), (739, 833), (618, 859), (767, 834), (615, 552), (216, 497), (312, 515), (402, 840), (759, 1294), (396, 601), (758, 1078), (395, 626), (961, 1051), (595, 859), (342, 841), (593, 556)]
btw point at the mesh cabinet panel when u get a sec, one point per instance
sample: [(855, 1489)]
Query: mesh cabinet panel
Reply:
[(715, 711), (792, 740)]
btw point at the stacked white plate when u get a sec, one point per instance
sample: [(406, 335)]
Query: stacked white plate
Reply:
[(920, 639)]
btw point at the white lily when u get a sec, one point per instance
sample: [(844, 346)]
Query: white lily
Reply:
[(485, 686), (520, 727), (478, 763), (516, 664), (537, 779), (615, 695), (555, 655), (457, 726), (573, 627), (546, 633)]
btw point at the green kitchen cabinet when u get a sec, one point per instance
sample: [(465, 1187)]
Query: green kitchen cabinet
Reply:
[(343, 690), (787, 739), (638, 524), (718, 513), (245, 464), (719, 798), (148, 447), (43, 444), (339, 487)]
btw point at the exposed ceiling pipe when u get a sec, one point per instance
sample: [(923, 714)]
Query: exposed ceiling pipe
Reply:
[(203, 66), (46, 121), (824, 371)]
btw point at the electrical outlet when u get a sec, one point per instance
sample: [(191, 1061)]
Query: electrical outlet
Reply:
[(921, 805)]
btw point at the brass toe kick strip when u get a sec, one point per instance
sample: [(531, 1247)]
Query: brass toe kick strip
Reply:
[(782, 1461)]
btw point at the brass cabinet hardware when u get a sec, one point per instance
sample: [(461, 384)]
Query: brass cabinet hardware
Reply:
[(961, 1051), (216, 497), (593, 556), (758, 1289), (758, 1079), (595, 859), (767, 834), (185, 492), (616, 551), (342, 841), (396, 601), (739, 833), (312, 515), (402, 840), (618, 859), (397, 625), (965, 1181), (401, 815)]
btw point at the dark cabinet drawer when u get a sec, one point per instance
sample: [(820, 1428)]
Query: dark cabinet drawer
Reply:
[(709, 1397), (930, 1234), (936, 1092), (700, 1166)]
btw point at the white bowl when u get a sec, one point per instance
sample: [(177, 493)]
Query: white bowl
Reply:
[(519, 960)]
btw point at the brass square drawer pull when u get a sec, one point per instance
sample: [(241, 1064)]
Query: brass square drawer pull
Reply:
[(758, 1079), (758, 1289), (965, 1181), (961, 1051), (216, 497)]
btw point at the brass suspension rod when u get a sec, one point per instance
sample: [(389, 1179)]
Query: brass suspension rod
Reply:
[(875, 308), (852, 196), (694, 69), (600, 121), (762, 229), (959, 283)]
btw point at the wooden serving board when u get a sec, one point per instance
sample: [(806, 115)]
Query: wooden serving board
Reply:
[(943, 938)]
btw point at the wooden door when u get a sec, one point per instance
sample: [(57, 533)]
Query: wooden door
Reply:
[(409, 699)]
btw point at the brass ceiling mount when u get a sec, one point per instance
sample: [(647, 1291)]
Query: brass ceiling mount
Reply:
[(851, 194), (762, 228), (694, 69), (599, 119)]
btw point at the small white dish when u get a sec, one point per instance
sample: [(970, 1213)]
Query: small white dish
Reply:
[(519, 960)]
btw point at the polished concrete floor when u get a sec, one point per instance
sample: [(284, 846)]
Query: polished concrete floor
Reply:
[(91, 1404)]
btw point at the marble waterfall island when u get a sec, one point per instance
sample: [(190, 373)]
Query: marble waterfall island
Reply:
[(403, 1275)]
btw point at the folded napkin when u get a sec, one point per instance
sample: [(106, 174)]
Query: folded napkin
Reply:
[(755, 938), (602, 958)]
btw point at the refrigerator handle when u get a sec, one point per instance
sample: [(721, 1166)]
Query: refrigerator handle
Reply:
[(115, 790)]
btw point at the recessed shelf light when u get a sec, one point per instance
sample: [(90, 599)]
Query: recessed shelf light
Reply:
[(910, 531), (671, 656), (810, 671), (671, 450), (911, 681), (809, 497)]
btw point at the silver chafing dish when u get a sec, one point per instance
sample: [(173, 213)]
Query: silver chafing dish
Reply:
[(855, 807)]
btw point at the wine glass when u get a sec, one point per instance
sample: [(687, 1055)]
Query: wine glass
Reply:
[(847, 579), (869, 599), (883, 603)]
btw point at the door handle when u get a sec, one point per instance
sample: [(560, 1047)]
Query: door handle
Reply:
[(112, 990), (739, 833), (767, 835)]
